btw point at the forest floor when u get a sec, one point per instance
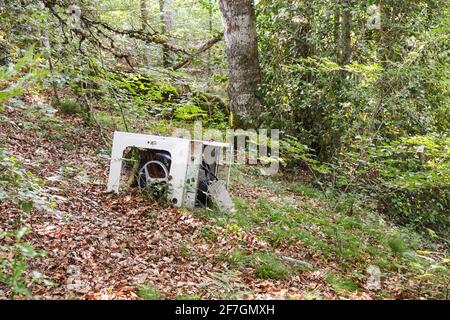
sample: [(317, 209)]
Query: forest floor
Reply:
[(284, 242)]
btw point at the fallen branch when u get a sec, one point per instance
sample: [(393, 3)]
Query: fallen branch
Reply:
[(298, 262)]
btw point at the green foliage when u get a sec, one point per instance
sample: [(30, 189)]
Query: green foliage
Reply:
[(25, 190), (342, 284), (189, 112), (166, 98), (159, 191), (413, 162), (20, 186), (395, 85), (144, 87), (305, 190), (398, 245), (438, 273), (14, 264), (209, 234), (184, 250), (196, 296), (71, 107), (407, 179), (268, 266), (358, 125), (24, 73), (236, 257), (148, 293), (410, 176)]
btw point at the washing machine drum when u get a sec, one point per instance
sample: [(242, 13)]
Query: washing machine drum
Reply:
[(155, 168)]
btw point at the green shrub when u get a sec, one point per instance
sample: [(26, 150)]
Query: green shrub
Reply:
[(24, 189), (407, 179), (184, 250), (424, 208), (415, 185), (23, 74)]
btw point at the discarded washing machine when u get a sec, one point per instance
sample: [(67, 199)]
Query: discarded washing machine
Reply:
[(197, 172)]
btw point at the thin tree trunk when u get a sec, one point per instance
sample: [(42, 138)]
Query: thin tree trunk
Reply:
[(48, 49), (346, 33), (336, 29), (210, 25), (144, 15), (144, 25), (244, 73), (167, 25)]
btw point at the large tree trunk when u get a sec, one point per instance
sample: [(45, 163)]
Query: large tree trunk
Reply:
[(167, 26), (242, 54)]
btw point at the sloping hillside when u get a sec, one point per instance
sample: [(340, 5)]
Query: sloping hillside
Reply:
[(286, 240)]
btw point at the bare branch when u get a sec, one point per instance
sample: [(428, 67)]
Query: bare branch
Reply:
[(206, 46), (100, 28)]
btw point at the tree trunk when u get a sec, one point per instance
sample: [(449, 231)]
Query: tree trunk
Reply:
[(144, 15), (167, 25), (144, 26), (336, 29), (210, 13), (346, 32), (244, 73)]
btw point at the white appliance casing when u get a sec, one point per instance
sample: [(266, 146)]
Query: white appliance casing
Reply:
[(187, 156)]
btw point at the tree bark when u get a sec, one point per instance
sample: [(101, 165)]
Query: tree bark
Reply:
[(144, 26), (244, 73), (210, 25), (144, 15), (167, 25), (346, 32), (336, 29)]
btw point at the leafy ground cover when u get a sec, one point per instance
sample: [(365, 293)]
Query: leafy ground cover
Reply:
[(286, 240)]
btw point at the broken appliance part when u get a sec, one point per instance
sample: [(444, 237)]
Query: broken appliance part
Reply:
[(188, 166)]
